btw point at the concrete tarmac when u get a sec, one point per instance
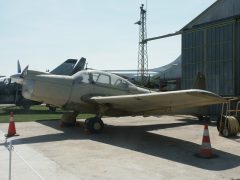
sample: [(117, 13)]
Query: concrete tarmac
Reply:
[(129, 148)]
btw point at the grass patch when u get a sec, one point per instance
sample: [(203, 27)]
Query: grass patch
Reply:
[(35, 113)]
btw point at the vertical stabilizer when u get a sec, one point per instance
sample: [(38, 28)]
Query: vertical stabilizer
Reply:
[(200, 82), (80, 65), (65, 68), (69, 67)]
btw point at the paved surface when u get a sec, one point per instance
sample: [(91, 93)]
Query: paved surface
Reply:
[(129, 148)]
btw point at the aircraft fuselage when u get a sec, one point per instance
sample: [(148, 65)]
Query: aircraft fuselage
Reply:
[(74, 92)]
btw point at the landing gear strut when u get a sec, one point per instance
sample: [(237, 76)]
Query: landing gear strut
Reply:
[(69, 119), (94, 125)]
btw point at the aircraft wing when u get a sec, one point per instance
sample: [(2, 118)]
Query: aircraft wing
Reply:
[(159, 101)]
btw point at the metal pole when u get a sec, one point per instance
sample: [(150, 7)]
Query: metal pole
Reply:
[(160, 37), (10, 159)]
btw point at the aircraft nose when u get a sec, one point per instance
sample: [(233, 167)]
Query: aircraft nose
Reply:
[(17, 78)]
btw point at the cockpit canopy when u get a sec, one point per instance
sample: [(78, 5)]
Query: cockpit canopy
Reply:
[(101, 78)]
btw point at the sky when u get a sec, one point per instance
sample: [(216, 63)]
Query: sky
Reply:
[(43, 34)]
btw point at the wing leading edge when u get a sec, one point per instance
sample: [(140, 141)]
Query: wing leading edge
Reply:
[(159, 101)]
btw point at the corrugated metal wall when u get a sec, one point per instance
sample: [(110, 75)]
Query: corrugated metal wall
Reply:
[(192, 56), (211, 50), (237, 57)]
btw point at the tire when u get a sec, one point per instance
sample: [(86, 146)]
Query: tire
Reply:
[(200, 118), (26, 107), (203, 118), (94, 125), (52, 109), (225, 132)]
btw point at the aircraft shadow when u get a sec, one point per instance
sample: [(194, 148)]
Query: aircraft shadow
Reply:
[(7, 110), (137, 138)]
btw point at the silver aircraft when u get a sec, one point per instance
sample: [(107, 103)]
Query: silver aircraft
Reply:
[(102, 93)]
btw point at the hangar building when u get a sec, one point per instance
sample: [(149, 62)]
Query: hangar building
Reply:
[(211, 45)]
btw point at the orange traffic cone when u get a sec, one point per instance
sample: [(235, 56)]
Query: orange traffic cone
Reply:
[(11, 127), (206, 149)]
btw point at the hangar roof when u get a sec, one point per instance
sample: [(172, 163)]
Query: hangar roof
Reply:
[(221, 9)]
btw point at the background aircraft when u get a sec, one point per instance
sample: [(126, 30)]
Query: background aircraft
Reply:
[(10, 91), (164, 78), (102, 93)]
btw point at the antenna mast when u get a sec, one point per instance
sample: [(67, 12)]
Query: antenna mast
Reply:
[(142, 74)]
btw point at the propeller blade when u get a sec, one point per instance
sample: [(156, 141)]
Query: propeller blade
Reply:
[(24, 73), (18, 67), (18, 78)]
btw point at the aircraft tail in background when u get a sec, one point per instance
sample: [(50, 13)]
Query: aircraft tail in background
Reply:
[(200, 82), (70, 67)]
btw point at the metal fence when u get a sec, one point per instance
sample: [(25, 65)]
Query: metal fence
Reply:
[(12, 151)]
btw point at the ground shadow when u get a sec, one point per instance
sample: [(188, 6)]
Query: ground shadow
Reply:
[(7, 110), (139, 139)]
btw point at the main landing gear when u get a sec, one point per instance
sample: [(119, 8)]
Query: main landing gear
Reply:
[(91, 125), (94, 125)]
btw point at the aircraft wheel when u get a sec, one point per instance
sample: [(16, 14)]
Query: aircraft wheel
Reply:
[(26, 107), (94, 125), (225, 132), (200, 118), (52, 109), (203, 118)]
